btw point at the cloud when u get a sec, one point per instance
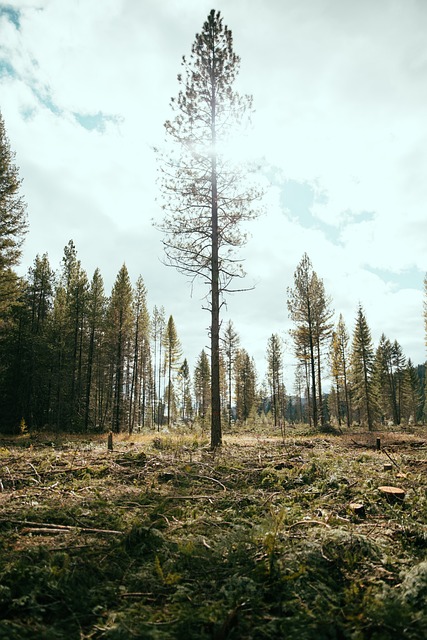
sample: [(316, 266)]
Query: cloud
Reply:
[(12, 15)]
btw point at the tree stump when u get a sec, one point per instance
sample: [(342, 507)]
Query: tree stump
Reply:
[(358, 508), (393, 494), (110, 441), (388, 466)]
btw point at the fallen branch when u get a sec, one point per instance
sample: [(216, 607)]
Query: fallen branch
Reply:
[(33, 527)]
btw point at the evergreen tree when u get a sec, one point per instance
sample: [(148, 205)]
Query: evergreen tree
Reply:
[(384, 381), (38, 299), (120, 326), (204, 197), (245, 384), (392, 383), (362, 364), (141, 336), (59, 370), (342, 344), (335, 394), (147, 395), (157, 330), (309, 309), (67, 335), (230, 342), (172, 354), (13, 225), (95, 389), (77, 285), (323, 331), (202, 385), (414, 398), (275, 376), (299, 389), (184, 379)]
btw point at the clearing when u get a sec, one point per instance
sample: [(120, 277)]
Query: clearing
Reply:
[(162, 538)]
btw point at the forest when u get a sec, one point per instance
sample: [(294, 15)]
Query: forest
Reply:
[(77, 360)]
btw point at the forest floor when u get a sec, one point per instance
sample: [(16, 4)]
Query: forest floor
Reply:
[(161, 538)]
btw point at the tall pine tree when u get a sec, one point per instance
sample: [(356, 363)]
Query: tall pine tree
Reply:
[(120, 326), (362, 366), (205, 197), (13, 224), (309, 309), (230, 342), (172, 354), (275, 376)]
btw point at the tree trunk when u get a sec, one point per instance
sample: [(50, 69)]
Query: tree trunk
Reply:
[(312, 364), (216, 433), (89, 376), (319, 382)]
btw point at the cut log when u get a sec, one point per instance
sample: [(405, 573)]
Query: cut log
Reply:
[(388, 466), (358, 508), (393, 494)]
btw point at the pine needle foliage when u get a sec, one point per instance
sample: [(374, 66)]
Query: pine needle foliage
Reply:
[(13, 222)]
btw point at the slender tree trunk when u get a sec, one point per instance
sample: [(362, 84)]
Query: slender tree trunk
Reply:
[(347, 395), (159, 403), (134, 384), (313, 377), (89, 376), (307, 386), (169, 384), (119, 382), (275, 399), (319, 379), (338, 400), (229, 391), (367, 398), (216, 434)]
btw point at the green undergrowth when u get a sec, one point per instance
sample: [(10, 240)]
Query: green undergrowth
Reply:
[(162, 538)]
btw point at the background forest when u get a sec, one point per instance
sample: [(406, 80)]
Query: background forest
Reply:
[(74, 358)]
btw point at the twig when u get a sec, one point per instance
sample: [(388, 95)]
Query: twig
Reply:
[(196, 497), (213, 480), (35, 471), (297, 524), (391, 459)]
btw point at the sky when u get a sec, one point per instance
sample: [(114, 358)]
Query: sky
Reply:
[(339, 132)]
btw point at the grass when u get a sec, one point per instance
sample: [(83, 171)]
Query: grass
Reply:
[(162, 538)]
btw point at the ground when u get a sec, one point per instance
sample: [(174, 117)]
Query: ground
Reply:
[(163, 538)]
